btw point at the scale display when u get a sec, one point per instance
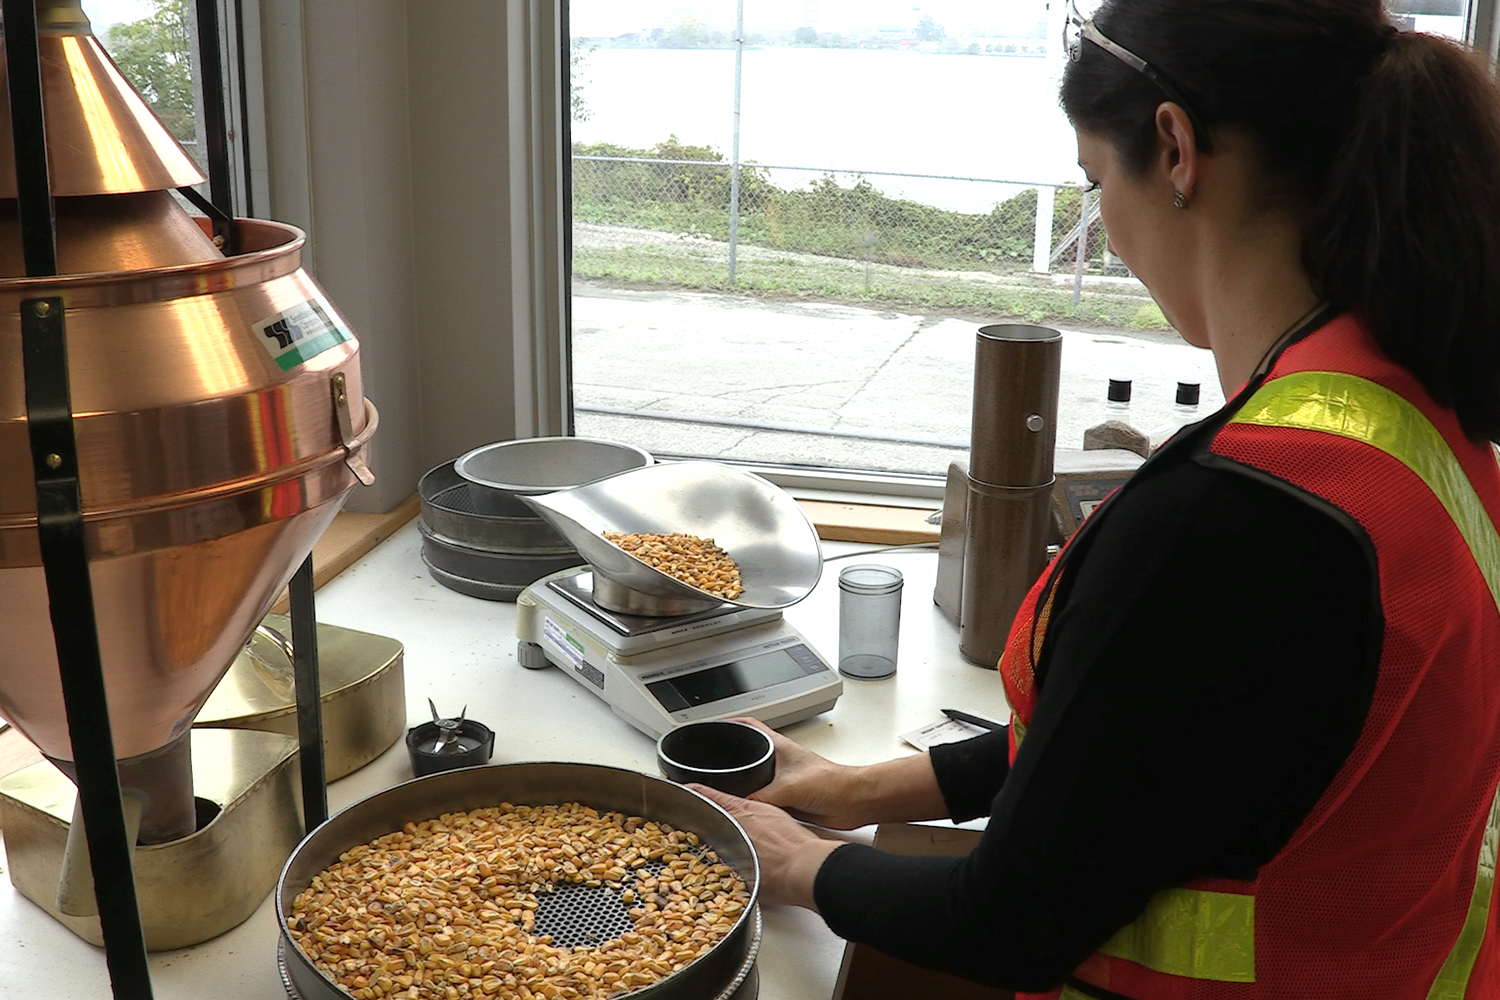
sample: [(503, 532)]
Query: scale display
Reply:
[(736, 677)]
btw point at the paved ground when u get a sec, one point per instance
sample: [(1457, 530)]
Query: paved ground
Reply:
[(703, 373)]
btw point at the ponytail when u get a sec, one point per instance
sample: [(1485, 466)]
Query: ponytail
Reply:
[(1407, 228), (1387, 144)]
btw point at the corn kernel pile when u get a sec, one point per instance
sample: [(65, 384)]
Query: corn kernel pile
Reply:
[(446, 908), (693, 560)]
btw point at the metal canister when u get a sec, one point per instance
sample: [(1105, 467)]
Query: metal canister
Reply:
[(1016, 377)]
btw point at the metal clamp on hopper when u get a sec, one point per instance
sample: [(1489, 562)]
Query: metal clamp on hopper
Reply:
[(219, 422), (663, 652)]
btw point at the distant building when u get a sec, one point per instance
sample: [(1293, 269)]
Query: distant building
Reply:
[(709, 14)]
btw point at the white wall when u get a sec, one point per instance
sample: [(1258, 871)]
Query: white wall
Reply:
[(413, 140)]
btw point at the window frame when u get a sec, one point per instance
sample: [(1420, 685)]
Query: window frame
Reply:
[(1482, 32), (465, 308)]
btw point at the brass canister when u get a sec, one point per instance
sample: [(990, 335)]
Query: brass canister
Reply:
[(361, 677), (192, 889)]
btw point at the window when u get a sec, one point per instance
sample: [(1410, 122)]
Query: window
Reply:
[(1449, 18), (814, 301), (790, 217), (152, 42)]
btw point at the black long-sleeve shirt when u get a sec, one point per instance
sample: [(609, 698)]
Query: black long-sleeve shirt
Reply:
[(1219, 638)]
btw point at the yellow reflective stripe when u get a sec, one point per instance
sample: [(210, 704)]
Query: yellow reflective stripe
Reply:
[(1357, 408), (1362, 410), (1192, 933), (1069, 993), (1453, 978)]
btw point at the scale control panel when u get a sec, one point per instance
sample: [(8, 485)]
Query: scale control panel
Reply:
[(752, 676), (766, 670)]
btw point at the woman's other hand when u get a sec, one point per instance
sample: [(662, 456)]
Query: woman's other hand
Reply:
[(843, 797), (790, 854), (812, 788)]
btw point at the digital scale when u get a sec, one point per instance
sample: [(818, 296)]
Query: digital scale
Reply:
[(660, 652), (658, 673)]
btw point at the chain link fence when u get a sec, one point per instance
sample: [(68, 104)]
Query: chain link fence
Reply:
[(847, 235)]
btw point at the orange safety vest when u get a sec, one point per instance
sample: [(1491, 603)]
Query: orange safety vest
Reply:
[(1387, 889)]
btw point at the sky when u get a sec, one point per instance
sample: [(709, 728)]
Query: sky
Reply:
[(603, 18), (107, 12), (606, 18)]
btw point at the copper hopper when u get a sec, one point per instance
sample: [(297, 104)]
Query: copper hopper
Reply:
[(218, 412)]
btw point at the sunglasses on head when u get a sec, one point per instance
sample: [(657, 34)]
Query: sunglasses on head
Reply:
[(1077, 29)]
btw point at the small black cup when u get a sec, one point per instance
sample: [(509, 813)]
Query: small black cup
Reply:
[(476, 745), (733, 757)]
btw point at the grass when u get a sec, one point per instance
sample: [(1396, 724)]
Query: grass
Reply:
[(902, 233), (682, 188), (824, 242), (852, 282)]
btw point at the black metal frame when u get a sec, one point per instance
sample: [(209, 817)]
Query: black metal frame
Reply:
[(309, 690), (60, 527), (49, 414), (219, 206), (240, 65), (216, 130)]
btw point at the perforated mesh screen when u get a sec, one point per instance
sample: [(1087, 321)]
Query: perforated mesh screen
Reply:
[(456, 498), (576, 914)]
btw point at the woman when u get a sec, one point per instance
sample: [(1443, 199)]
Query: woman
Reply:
[(1256, 732)]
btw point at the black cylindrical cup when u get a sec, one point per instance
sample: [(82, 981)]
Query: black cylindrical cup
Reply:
[(733, 757)]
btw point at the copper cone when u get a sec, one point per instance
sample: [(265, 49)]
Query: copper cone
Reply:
[(112, 232), (207, 470), (102, 138)]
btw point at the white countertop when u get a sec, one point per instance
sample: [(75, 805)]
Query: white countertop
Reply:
[(461, 651)]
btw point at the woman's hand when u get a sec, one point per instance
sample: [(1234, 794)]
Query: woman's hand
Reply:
[(813, 788), (790, 854)]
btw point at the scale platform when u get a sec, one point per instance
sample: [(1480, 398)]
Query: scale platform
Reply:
[(658, 673)]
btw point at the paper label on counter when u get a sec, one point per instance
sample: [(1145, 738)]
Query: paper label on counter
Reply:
[(300, 333), (938, 733), (572, 651)]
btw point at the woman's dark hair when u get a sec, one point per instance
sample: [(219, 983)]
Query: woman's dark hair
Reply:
[(1388, 144)]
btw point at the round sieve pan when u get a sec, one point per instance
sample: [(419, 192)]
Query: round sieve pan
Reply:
[(578, 915), (449, 510)]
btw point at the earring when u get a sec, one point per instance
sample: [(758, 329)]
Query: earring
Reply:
[(1179, 199)]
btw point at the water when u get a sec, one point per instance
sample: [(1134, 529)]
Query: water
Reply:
[(907, 112)]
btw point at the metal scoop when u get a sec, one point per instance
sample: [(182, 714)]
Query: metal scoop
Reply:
[(757, 523)]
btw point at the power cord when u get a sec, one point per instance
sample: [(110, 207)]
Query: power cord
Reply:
[(881, 550)]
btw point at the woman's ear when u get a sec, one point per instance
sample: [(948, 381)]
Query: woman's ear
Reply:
[(1179, 151)]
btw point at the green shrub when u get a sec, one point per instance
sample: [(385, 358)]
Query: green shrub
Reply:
[(857, 222)]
